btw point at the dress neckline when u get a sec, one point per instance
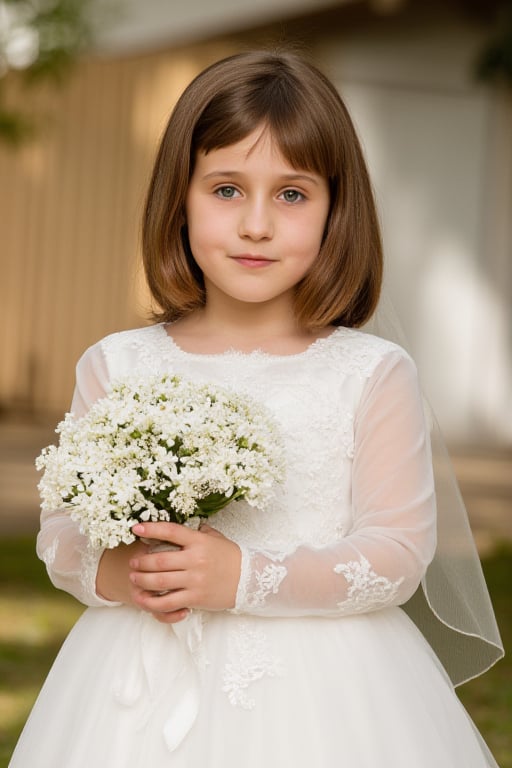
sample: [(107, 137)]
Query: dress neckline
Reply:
[(319, 343)]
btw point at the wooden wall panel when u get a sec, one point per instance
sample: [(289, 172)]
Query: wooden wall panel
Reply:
[(70, 207)]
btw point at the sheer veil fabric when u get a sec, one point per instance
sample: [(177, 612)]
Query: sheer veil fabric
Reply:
[(452, 608)]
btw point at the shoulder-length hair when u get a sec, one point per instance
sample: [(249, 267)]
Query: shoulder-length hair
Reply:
[(311, 125)]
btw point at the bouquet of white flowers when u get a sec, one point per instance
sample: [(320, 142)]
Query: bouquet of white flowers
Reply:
[(161, 448)]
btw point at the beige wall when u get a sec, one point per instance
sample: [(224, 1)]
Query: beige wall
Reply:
[(70, 207), (440, 154), (439, 148)]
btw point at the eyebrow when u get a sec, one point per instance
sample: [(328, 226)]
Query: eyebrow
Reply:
[(289, 177)]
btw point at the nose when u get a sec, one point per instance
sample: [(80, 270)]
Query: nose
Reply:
[(256, 221)]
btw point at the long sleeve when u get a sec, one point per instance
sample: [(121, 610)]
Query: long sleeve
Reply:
[(70, 563), (381, 561)]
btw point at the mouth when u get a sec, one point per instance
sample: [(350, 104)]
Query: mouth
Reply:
[(252, 260)]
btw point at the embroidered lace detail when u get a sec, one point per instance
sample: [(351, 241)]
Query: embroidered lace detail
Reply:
[(50, 553), (249, 659), (346, 421), (267, 582), (90, 560), (346, 349), (325, 392), (254, 586), (367, 589), (87, 573)]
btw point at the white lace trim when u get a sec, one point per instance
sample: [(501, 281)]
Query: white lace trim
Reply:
[(368, 589), (90, 560), (250, 658), (264, 582), (346, 349), (268, 581), (49, 554)]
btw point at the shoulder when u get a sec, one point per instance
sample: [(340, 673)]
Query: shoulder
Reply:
[(124, 348), (133, 339), (362, 353), (388, 374)]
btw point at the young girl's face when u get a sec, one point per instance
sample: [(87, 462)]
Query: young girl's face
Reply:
[(255, 223)]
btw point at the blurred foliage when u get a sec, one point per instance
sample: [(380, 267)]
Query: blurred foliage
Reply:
[(14, 127), (495, 61), (35, 618), (39, 42)]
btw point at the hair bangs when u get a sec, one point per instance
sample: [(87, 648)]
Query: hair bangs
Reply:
[(276, 101)]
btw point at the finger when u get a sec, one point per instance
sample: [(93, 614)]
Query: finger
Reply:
[(166, 603), (158, 582), (211, 531), (171, 618), (173, 560), (171, 532)]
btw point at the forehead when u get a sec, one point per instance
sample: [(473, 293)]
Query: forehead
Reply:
[(257, 150)]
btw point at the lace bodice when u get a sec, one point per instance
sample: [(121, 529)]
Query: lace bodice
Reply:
[(352, 528)]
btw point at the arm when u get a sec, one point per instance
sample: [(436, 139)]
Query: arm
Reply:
[(392, 539), (71, 564), (379, 563)]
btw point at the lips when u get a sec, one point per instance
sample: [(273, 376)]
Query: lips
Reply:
[(252, 260)]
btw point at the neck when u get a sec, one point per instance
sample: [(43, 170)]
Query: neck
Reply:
[(246, 327), (248, 321)]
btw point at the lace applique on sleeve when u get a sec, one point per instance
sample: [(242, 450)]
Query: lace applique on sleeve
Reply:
[(267, 582), (49, 554), (367, 589), (256, 585), (88, 572), (390, 534)]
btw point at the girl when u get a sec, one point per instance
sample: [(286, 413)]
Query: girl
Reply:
[(271, 638)]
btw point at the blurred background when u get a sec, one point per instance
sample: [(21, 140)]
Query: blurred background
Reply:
[(86, 87)]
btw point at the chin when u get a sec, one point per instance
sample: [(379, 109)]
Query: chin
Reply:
[(252, 299)]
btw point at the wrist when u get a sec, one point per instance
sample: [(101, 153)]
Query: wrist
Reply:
[(243, 579), (112, 577)]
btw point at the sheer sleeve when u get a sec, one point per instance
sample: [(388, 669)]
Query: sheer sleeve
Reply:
[(70, 563), (383, 558)]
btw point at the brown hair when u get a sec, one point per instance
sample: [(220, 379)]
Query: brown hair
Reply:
[(311, 125)]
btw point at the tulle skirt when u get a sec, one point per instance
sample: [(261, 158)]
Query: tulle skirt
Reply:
[(227, 691)]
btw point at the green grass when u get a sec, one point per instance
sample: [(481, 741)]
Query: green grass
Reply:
[(488, 699), (35, 618)]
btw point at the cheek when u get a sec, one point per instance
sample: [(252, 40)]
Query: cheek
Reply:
[(204, 230), (198, 235), (308, 239)]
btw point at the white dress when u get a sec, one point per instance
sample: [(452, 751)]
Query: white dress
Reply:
[(317, 665)]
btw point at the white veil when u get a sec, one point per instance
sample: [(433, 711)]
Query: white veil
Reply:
[(452, 608)]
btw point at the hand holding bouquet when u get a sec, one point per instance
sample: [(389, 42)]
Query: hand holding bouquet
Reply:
[(161, 448)]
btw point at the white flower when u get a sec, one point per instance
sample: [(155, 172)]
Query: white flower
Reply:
[(161, 448)]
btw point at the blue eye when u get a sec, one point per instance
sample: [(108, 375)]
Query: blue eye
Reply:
[(292, 196), (226, 192)]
